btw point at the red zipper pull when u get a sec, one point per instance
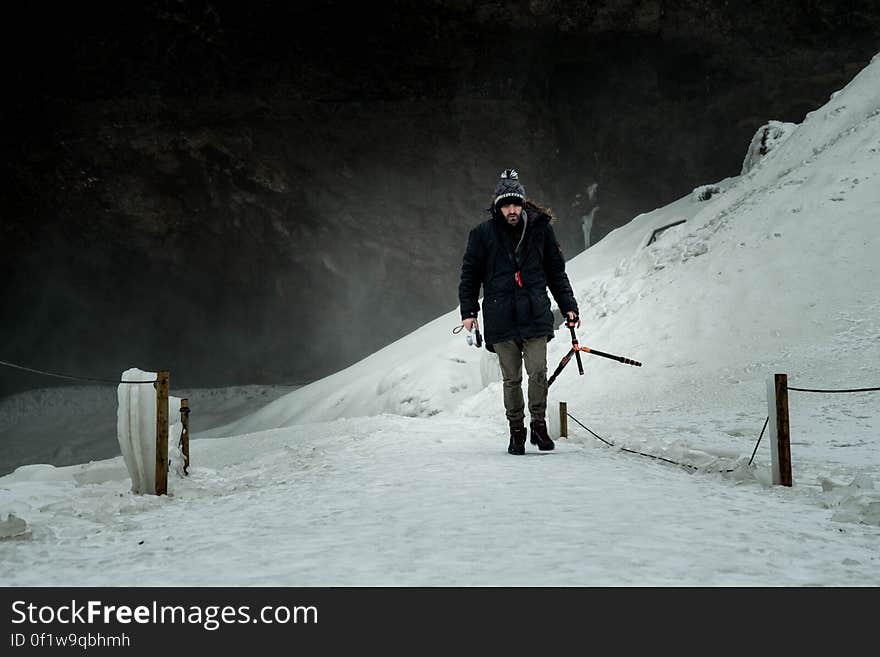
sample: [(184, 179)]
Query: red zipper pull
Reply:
[(518, 279)]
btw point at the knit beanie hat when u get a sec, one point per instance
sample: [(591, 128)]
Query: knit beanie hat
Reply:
[(509, 189)]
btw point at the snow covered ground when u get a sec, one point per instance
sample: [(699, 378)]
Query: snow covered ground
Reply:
[(395, 472)]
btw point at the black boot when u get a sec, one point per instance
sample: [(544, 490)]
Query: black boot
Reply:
[(517, 441), (540, 437)]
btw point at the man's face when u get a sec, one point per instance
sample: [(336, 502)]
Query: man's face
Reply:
[(512, 213)]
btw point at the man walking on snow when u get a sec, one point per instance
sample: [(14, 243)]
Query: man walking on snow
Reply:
[(515, 257)]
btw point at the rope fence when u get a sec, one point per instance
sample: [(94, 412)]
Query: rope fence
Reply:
[(780, 426), (654, 456), (140, 485), (847, 390), (68, 376), (777, 388), (777, 391)]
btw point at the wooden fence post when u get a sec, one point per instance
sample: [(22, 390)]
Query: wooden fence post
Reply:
[(184, 436), (780, 440), (162, 432), (563, 419)]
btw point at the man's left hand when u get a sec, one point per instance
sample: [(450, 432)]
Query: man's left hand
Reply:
[(572, 317)]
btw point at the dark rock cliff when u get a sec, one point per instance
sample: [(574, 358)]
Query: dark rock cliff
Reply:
[(260, 193)]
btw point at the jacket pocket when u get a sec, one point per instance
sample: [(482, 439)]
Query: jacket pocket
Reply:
[(497, 313), (540, 304)]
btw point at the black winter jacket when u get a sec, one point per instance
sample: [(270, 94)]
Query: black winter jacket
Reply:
[(511, 311)]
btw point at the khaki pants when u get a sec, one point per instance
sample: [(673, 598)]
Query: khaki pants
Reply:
[(511, 355)]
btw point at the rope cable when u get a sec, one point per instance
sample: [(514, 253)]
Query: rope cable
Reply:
[(68, 376), (755, 451), (653, 456), (847, 390)]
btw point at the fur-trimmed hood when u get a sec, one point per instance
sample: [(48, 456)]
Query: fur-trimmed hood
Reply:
[(533, 209)]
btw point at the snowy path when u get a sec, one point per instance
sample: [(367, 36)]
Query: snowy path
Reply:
[(390, 500)]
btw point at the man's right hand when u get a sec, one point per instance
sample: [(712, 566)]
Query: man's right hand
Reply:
[(469, 323)]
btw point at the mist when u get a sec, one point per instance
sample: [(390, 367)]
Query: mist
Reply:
[(267, 196)]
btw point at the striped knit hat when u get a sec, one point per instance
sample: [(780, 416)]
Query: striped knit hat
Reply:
[(509, 189)]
